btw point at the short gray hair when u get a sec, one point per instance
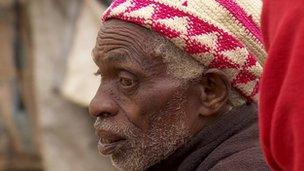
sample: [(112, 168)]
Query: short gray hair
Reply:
[(183, 66)]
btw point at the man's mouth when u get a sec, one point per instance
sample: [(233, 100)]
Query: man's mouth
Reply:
[(109, 142)]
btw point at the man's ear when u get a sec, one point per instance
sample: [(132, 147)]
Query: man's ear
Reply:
[(214, 91)]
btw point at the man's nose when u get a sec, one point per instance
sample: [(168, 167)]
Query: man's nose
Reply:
[(103, 106)]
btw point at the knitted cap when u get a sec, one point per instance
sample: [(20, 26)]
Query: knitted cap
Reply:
[(222, 34)]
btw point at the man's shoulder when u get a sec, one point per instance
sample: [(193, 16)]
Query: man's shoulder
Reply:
[(241, 151), (247, 160)]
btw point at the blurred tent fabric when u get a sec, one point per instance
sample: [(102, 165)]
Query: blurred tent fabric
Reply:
[(45, 42), (80, 85), (18, 129)]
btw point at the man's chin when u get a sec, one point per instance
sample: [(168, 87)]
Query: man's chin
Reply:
[(127, 162), (141, 158), (122, 164)]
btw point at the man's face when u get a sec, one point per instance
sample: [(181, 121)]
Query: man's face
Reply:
[(143, 113)]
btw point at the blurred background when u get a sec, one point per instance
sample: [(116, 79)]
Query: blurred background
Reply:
[(46, 83)]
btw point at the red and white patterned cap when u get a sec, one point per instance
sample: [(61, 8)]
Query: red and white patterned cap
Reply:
[(222, 34)]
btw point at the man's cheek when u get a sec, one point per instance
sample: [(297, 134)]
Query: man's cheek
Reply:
[(147, 101), (133, 110), (140, 109), (154, 96)]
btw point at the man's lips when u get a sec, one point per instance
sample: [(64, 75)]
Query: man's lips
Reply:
[(109, 142), (109, 148)]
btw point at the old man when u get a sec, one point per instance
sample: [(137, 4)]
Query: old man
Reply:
[(179, 85)]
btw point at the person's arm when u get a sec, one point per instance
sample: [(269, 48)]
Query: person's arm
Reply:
[(282, 87)]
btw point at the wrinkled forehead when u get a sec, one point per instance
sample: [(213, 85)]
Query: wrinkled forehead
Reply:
[(130, 40), (119, 31)]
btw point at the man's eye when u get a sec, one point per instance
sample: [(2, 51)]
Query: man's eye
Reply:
[(127, 79), (126, 82)]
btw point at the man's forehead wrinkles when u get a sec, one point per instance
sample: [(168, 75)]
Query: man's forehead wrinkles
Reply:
[(120, 37), (122, 51), (122, 27), (113, 52), (137, 41), (124, 31)]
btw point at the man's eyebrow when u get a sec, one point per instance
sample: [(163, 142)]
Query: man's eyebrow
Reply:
[(109, 58), (115, 58)]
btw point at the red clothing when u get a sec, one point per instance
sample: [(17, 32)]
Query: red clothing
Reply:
[(282, 86)]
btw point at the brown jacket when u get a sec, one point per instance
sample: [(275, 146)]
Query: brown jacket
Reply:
[(231, 143)]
